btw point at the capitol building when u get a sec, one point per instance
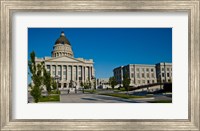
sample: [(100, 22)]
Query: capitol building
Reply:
[(62, 65)]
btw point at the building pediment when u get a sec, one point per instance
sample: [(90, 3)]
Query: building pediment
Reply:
[(64, 59)]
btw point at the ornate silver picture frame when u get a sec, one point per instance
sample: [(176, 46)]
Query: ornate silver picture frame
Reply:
[(8, 7)]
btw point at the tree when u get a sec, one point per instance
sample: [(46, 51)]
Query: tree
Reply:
[(90, 85), (36, 71), (112, 82), (126, 82), (94, 84), (47, 80), (82, 84), (54, 84)]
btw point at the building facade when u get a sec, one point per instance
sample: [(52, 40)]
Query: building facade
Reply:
[(141, 74), (103, 83), (62, 65)]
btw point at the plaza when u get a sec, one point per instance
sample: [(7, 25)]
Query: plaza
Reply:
[(80, 97)]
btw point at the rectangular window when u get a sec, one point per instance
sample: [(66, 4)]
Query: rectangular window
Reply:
[(59, 72), (152, 70), (152, 81), (142, 69), (64, 77), (138, 69), (132, 75), (147, 75), (147, 70), (143, 81), (138, 75), (64, 73), (167, 69), (152, 75), (132, 69), (142, 75), (167, 74), (163, 74), (48, 67), (162, 69)]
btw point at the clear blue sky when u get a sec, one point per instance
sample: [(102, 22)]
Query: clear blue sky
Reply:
[(108, 47)]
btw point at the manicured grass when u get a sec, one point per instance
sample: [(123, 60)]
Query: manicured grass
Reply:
[(119, 90), (125, 96), (55, 92), (161, 101), (90, 91), (50, 98)]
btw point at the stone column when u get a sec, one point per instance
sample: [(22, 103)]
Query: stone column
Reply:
[(77, 76), (51, 70), (82, 73), (61, 72), (67, 73), (61, 75), (77, 73), (89, 73), (56, 67), (72, 71)]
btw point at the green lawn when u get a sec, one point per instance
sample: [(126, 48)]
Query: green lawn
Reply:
[(90, 91), (55, 92), (50, 98), (125, 96), (161, 101)]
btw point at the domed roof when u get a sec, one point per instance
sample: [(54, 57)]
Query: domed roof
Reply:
[(62, 39)]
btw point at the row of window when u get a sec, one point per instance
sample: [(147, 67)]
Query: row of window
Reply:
[(168, 74), (168, 69), (64, 68), (144, 69), (143, 75), (145, 81), (141, 69)]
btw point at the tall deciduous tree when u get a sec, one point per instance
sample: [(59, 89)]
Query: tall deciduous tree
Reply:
[(47, 80), (36, 75), (126, 82), (112, 82), (54, 84)]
